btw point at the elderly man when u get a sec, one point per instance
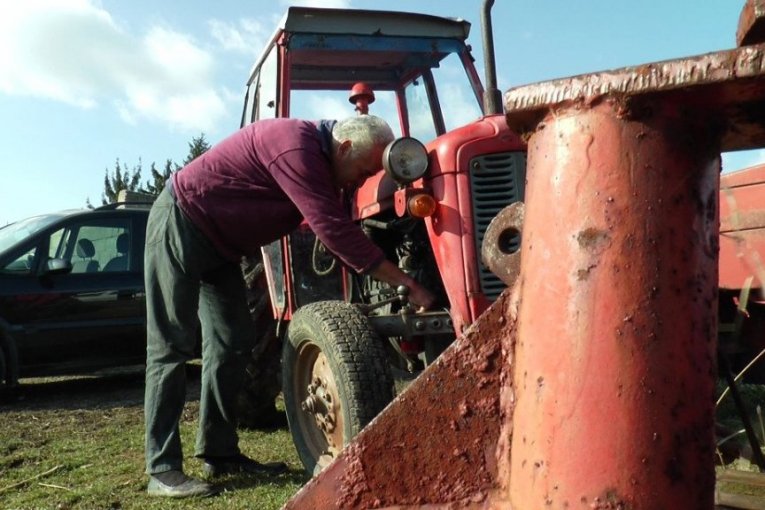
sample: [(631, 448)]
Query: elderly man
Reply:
[(252, 188)]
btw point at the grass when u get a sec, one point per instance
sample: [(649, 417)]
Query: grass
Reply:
[(69, 450), (77, 443)]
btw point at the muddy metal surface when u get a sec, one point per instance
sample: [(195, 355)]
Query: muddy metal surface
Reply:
[(437, 441)]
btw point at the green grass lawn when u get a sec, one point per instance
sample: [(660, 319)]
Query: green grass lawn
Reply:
[(54, 455), (77, 443)]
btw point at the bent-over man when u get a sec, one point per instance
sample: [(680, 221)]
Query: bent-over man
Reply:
[(252, 188)]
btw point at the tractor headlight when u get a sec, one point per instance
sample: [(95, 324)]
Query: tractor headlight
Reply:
[(405, 160)]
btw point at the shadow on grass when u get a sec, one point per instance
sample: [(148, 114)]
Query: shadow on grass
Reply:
[(247, 481), (121, 387)]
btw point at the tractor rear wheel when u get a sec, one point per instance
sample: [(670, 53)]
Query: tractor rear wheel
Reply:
[(335, 379), (256, 406)]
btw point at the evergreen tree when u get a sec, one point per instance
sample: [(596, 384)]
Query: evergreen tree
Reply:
[(122, 178), (159, 178), (197, 147)]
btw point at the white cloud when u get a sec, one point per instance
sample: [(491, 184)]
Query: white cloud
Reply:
[(246, 36), (250, 35), (73, 51)]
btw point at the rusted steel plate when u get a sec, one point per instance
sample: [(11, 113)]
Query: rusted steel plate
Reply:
[(726, 87), (437, 442), (751, 23)]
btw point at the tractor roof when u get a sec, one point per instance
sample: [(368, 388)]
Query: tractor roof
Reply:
[(337, 47), (365, 22)]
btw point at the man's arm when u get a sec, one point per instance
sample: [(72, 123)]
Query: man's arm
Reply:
[(305, 177), (387, 272)]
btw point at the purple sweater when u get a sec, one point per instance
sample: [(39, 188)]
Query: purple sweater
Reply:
[(259, 183)]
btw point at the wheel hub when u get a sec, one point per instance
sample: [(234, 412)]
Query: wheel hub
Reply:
[(319, 404)]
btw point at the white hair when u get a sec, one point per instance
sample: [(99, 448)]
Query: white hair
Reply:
[(366, 132)]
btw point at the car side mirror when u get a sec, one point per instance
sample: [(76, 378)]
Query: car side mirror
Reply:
[(57, 266)]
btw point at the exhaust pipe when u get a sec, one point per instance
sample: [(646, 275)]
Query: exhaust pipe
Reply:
[(492, 98)]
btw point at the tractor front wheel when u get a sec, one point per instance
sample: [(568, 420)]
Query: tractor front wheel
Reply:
[(335, 379)]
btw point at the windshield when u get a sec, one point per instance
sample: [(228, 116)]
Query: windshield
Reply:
[(450, 103), (20, 230), (423, 80)]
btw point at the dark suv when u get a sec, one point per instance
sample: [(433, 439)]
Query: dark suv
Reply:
[(72, 292)]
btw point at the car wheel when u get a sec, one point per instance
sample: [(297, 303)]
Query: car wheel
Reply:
[(3, 368), (336, 379), (262, 385), (9, 370)]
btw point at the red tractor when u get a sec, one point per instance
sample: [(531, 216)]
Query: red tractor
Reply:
[(348, 342), (351, 339)]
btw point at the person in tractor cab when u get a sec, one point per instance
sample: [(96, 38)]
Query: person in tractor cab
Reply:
[(252, 188)]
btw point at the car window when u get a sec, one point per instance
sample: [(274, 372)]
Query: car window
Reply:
[(15, 232), (21, 264), (95, 246), (57, 244)]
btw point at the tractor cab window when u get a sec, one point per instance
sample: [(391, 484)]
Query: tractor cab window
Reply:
[(262, 91), (267, 87), (459, 104), (334, 104), (421, 124), (440, 100)]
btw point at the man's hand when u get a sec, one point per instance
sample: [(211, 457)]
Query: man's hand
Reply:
[(421, 297)]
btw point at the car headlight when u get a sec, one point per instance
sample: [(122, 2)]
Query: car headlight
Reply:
[(405, 160)]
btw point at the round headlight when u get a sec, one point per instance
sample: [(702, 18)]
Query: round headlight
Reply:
[(405, 160)]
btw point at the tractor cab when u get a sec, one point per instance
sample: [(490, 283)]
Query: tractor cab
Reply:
[(405, 64), (413, 70)]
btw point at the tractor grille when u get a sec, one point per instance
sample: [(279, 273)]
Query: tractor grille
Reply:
[(496, 180)]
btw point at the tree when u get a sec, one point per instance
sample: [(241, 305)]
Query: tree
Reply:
[(122, 178), (197, 147), (159, 178)]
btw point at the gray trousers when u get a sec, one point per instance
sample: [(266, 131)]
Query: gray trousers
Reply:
[(187, 284)]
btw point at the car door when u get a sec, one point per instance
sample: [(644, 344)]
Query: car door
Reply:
[(87, 317)]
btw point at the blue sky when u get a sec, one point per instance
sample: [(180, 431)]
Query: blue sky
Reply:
[(83, 82)]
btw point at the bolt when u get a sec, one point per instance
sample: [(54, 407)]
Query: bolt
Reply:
[(309, 404), (329, 423)]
